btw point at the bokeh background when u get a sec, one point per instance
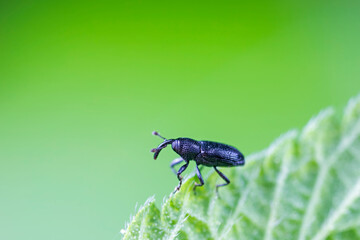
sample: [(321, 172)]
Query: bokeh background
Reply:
[(83, 84)]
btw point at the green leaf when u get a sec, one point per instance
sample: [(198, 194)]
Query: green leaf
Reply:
[(306, 185)]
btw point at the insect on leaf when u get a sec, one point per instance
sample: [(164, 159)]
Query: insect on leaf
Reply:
[(306, 185)]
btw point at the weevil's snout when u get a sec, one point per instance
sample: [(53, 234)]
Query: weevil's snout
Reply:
[(157, 150), (156, 153)]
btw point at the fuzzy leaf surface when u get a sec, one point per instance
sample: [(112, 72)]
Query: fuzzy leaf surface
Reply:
[(306, 185)]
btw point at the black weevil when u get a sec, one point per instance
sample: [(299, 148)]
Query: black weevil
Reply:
[(211, 154)]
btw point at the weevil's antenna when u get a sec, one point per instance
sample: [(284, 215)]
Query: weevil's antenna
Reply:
[(157, 134)]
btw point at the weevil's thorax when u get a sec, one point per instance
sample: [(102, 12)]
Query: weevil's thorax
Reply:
[(187, 148)]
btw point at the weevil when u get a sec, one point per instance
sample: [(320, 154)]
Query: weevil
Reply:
[(207, 153)]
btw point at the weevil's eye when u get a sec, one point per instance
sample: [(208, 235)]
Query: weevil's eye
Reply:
[(176, 146)]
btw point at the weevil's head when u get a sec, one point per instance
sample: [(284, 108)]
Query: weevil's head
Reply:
[(187, 148), (176, 146)]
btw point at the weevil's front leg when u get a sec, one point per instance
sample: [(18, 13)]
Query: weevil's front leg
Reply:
[(183, 167), (198, 173), (223, 177), (174, 163)]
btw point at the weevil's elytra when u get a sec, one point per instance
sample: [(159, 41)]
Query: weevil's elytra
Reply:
[(207, 153)]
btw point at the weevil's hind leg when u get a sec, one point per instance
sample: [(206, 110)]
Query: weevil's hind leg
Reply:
[(174, 163), (223, 177), (183, 167), (198, 173)]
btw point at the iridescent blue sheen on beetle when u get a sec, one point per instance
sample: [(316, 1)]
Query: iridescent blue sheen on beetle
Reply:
[(207, 153)]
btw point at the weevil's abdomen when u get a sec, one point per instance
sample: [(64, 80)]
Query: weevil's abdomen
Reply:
[(218, 154)]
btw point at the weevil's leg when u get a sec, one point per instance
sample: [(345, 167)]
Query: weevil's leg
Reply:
[(223, 177), (198, 173), (174, 163), (183, 167)]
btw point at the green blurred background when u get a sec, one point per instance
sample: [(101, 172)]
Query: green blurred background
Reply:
[(83, 84)]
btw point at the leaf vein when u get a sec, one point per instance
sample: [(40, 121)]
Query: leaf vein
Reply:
[(276, 197), (345, 142), (350, 197)]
